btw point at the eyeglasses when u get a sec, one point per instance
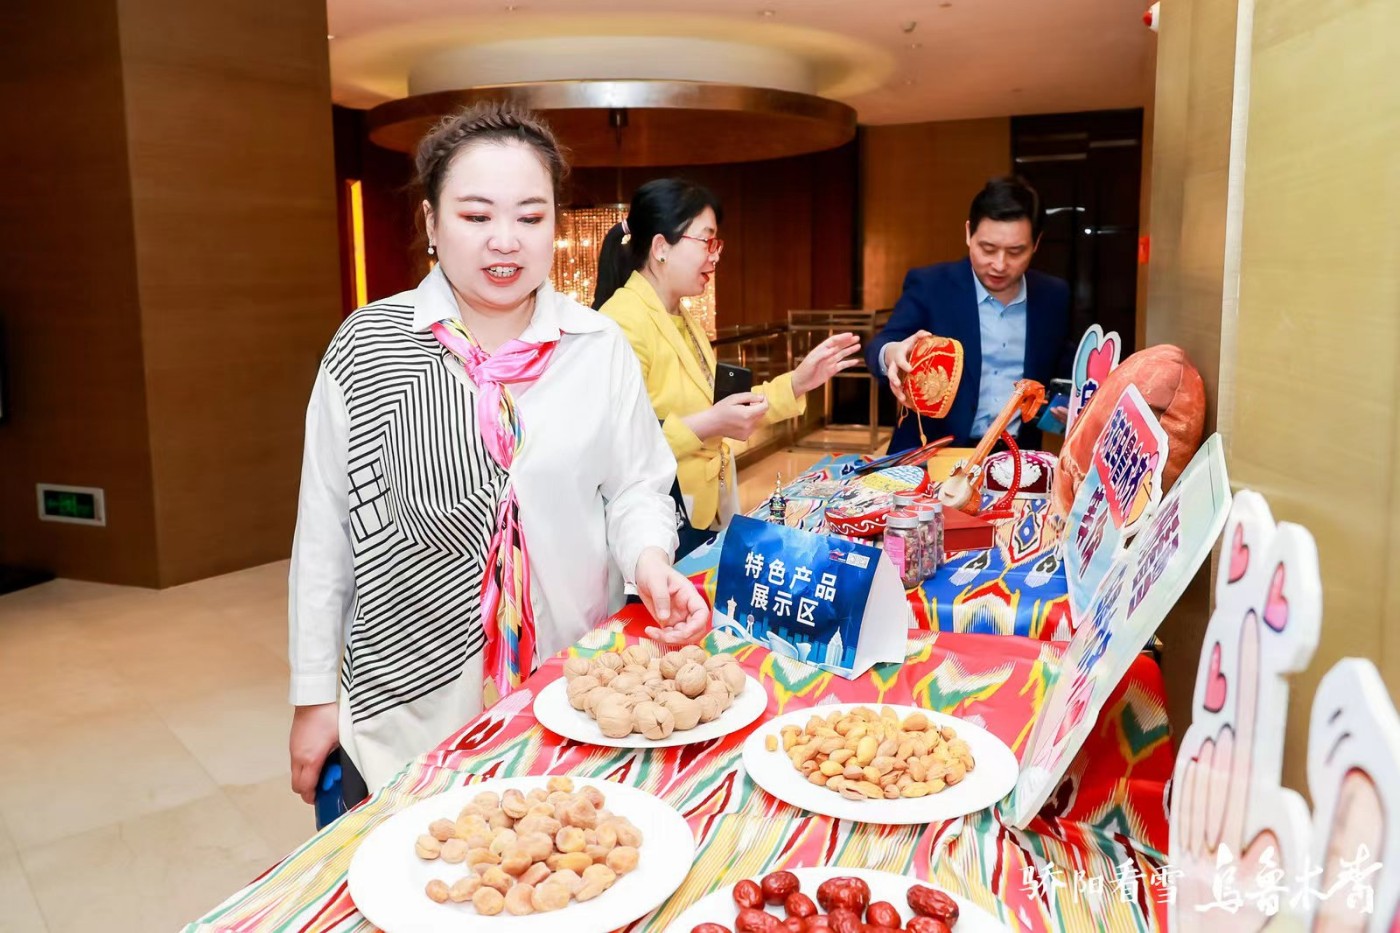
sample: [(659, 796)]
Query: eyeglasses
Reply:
[(713, 244)]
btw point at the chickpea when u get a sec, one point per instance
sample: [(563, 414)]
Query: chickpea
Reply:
[(515, 862), (488, 901), (437, 891), (518, 900), (482, 857), (623, 859), (494, 877), (442, 830), (503, 840), (487, 801), (582, 814), (596, 880), (561, 784), (427, 847), (570, 861), (550, 896), (627, 834), (537, 846), (569, 878), (463, 888), (454, 851), (593, 795), (569, 839), (514, 805), (535, 874)]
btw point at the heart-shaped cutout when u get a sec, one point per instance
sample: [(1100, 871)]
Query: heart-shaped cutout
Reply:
[(1102, 360), (1276, 608), (1215, 683), (1239, 556)]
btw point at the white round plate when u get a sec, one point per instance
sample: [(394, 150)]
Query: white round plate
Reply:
[(387, 879), (719, 907), (553, 711), (992, 778)]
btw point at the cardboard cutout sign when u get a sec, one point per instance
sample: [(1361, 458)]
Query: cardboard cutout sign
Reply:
[(1093, 361), (1354, 779), (1134, 597), (1123, 485), (1239, 839)]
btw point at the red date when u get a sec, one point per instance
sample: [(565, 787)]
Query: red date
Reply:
[(883, 914), (873, 928), (757, 921), (850, 893), (748, 894), (930, 903), (844, 920), (927, 925), (777, 886), (795, 925), (817, 922), (710, 928), (799, 905)]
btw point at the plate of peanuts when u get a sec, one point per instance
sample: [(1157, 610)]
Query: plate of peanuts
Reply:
[(834, 900), (880, 764), (522, 855)]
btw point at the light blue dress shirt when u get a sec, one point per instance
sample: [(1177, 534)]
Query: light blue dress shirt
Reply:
[(1003, 354)]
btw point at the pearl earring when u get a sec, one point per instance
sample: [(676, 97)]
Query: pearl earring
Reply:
[(432, 250)]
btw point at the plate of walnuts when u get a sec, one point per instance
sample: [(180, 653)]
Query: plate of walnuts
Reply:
[(880, 764), (834, 900), (523, 855), (635, 698)]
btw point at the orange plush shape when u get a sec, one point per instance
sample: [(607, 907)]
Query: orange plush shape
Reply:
[(1170, 385), (936, 367)]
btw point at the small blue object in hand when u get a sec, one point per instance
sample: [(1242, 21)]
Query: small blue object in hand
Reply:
[(330, 802)]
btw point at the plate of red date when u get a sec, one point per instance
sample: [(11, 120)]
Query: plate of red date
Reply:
[(834, 900)]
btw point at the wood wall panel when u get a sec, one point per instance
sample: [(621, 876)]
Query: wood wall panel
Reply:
[(916, 182), (1317, 355), (235, 219), (68, 296), (1186, 286)]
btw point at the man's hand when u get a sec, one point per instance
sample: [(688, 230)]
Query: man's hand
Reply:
[(315, 734), (897, 363), (680, 611)]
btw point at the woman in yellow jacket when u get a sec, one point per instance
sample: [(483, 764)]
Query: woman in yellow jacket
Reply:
[(664, 251)]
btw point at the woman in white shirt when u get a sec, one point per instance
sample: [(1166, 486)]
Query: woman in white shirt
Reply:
[(482, 472)]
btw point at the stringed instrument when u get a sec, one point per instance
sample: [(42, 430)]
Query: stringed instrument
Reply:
[(963, 487)]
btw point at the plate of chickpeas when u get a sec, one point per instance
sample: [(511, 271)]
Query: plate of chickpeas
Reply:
[(523, 855), (880, 764)]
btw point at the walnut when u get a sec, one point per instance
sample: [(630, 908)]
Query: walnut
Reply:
[(654, 720), (610, 660), (437, 891), (639, 654), (518, 900), (427, 847), (691, 680), (595, 697), (488, 901), (695, 653), (720, 692), (734, 678), (715, 661), (463, 888), (659, 689), (604, 675), (623, 859), (596, 880), (625, 682), (576, 667), (684, 710), (709, 707), (614, 717), (550, 896), (578, 689), (671, 663)]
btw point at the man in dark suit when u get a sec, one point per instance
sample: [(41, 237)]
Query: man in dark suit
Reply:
[(1012, 322)]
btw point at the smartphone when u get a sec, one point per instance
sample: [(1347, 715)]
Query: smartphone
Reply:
[(1061, 387), (732, 380)]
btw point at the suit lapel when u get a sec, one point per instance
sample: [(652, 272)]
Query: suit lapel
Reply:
[(661, 320)]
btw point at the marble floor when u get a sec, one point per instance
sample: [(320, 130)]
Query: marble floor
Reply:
[(143, 762)]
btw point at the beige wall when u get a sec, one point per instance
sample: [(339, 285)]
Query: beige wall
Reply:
[(1190, 132), (1316, 371), (170, 278), (917, 180)]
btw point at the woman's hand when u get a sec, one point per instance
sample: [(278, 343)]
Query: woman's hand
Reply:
[(680, 611), (315, 734), (830, 357), (736, 416)]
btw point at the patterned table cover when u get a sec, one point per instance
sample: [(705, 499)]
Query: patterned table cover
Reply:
[(1107, 824), (1014, 588)]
